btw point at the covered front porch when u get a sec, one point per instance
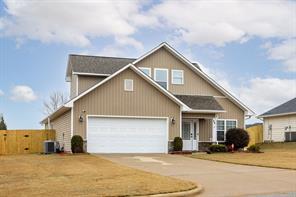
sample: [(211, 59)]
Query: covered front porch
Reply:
[(198, 126), (198, 131)]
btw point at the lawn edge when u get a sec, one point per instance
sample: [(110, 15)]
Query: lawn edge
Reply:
[(188, 193), (257, 165)]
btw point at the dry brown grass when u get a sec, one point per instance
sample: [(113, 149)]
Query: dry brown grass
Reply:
[(79, 175), (276, 155)]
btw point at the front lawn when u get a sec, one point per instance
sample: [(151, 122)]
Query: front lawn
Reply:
[(79, 175), (278, 155)]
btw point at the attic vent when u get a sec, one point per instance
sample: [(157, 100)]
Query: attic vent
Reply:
[(128, 85)]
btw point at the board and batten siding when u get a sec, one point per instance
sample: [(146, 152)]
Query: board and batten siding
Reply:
[(111, 99), (85, 82), (193, 84), (62, 126), (278, 127), (205, 130), (232, 112), (73, 86)]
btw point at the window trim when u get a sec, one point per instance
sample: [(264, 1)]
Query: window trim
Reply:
[(172, 76), (225, 120), (163, 69), (125, 85), (146, 68)]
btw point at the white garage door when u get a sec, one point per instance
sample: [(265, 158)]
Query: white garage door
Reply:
[(126, 135)]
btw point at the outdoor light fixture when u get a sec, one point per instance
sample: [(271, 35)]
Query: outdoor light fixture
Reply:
[(173, 120), (80, 118)]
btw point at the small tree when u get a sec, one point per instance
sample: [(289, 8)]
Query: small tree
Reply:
[(2, 124), (56, 99), (238, 137)]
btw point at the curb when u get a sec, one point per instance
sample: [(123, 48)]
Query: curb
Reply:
[(188, 193)]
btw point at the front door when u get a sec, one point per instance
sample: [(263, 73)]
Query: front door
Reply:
[(190, 134)]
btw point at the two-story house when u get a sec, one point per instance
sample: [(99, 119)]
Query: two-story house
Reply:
[(124, 105)]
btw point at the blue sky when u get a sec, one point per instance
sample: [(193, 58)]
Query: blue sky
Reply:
[(252, 55)]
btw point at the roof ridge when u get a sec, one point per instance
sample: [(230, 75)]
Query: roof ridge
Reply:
[(101, 56)]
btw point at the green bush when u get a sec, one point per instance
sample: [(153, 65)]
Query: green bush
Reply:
[(254, 148), (239, 137), (218, 148), (77, 144), (178, 144)]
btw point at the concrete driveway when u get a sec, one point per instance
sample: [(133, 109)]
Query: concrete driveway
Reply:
[(218, 179)]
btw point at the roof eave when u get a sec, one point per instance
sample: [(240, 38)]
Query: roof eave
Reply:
[(273, 115)]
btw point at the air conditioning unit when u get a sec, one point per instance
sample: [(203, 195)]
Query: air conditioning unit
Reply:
[(49, 146)]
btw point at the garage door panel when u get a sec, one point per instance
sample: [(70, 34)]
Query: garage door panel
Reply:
[(127, 135)]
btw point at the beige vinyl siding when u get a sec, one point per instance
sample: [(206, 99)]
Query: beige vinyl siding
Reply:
[(193, 84), (62, 125), (205, 129), (85, 82), (232, 112), (278, 127), (73, 86), (111, 99)]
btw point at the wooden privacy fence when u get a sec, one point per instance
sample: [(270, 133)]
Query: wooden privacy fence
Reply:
[(256, 134), (24, 141)]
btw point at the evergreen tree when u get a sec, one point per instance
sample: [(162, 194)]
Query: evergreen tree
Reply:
[(2, 124)]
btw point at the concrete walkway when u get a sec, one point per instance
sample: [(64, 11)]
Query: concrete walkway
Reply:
[(218, 179)]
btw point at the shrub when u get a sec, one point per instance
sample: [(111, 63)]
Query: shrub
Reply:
[(254, 148), (77, 144), (178, 144), (217, 148), (239, 137)]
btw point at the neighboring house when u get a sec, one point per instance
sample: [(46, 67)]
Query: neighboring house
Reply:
[(280, 122), (124, 105)]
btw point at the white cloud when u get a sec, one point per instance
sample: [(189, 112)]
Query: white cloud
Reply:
[(218, 23), (1, 93), (262, 94), (286, 52), (73, 22), (23, 93)]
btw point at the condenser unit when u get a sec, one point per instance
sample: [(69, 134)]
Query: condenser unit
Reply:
[(49, 146)]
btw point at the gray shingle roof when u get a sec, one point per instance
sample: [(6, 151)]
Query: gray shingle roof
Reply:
[(200, 102), (287, 107), (99, 64), (96, 64)]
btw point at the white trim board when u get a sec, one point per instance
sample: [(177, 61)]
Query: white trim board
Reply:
[(91, 74)]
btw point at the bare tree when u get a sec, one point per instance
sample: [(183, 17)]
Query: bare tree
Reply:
[(56, 99)]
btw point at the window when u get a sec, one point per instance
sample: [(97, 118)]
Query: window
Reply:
[(128, 85), (223, 126), (177, 77), (220, 130), (186, 131), (161, 77), (146, 70)]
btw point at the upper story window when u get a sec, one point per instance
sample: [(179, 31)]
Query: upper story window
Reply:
[(146, 70), (223, 126), (178, 77), (128, 85), (161, 77)]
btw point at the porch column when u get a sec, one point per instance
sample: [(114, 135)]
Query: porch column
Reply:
[(214, 130)]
